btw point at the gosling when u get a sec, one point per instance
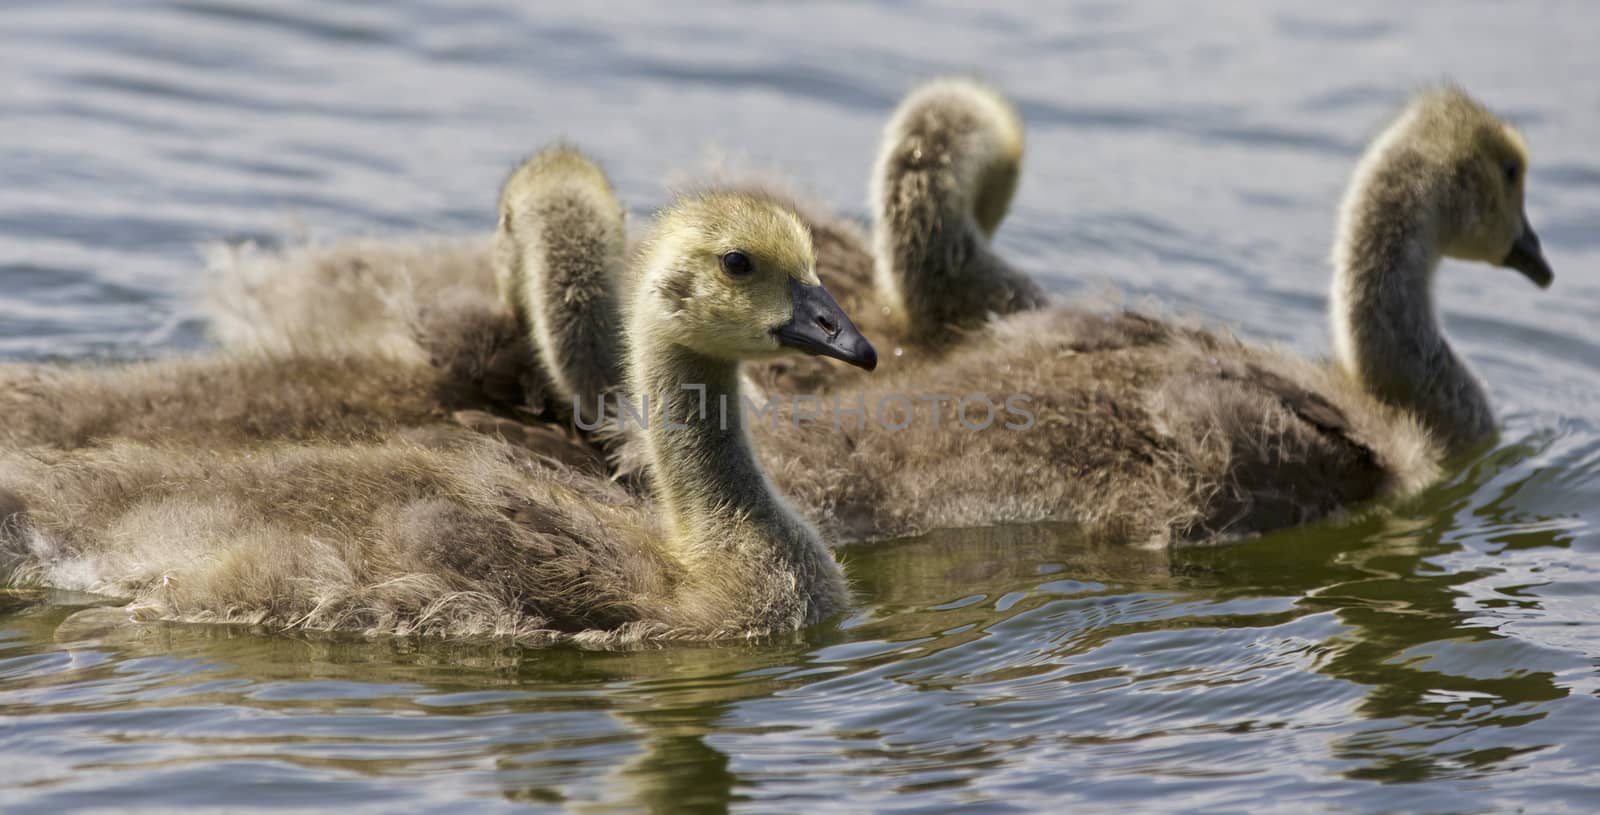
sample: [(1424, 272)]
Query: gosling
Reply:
[(469, 538)]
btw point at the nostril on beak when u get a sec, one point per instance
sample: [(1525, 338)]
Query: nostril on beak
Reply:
[(828, 326)]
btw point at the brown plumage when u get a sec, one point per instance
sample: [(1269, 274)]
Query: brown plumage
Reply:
[(1134, 429), (441, 531), (424, 303), (242, 398), (228, 398)]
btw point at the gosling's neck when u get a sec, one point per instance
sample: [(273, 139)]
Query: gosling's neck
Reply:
[(559, 271), (938, 202), (704, 470), (1385, 323), (729, 526)]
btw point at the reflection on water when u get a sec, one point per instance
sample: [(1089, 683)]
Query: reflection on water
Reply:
[(1438, 655), (1016, 665)]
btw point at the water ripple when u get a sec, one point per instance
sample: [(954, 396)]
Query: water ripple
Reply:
[(1435, 654)]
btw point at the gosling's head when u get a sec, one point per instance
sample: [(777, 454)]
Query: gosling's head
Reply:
[(1478, 166), (733, 276)]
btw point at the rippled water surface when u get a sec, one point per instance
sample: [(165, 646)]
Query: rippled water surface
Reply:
[(1442, 657)]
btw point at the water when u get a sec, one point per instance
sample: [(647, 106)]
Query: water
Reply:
[(1440, 658)]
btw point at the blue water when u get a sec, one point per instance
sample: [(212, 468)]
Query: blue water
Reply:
[(1442, 658)]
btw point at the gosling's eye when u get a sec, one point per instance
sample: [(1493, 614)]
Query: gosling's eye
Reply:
[(737, 264), (1513, 172)]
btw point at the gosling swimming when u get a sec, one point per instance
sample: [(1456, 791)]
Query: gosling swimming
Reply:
[(457, 535)]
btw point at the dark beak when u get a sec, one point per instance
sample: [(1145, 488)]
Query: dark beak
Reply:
[(1527, 257), (819, 326)]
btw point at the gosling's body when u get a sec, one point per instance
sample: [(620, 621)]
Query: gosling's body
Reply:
[(426, 303), (451, 537), (246, 398), (227, 398), (1133, 428), (446, 532)]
